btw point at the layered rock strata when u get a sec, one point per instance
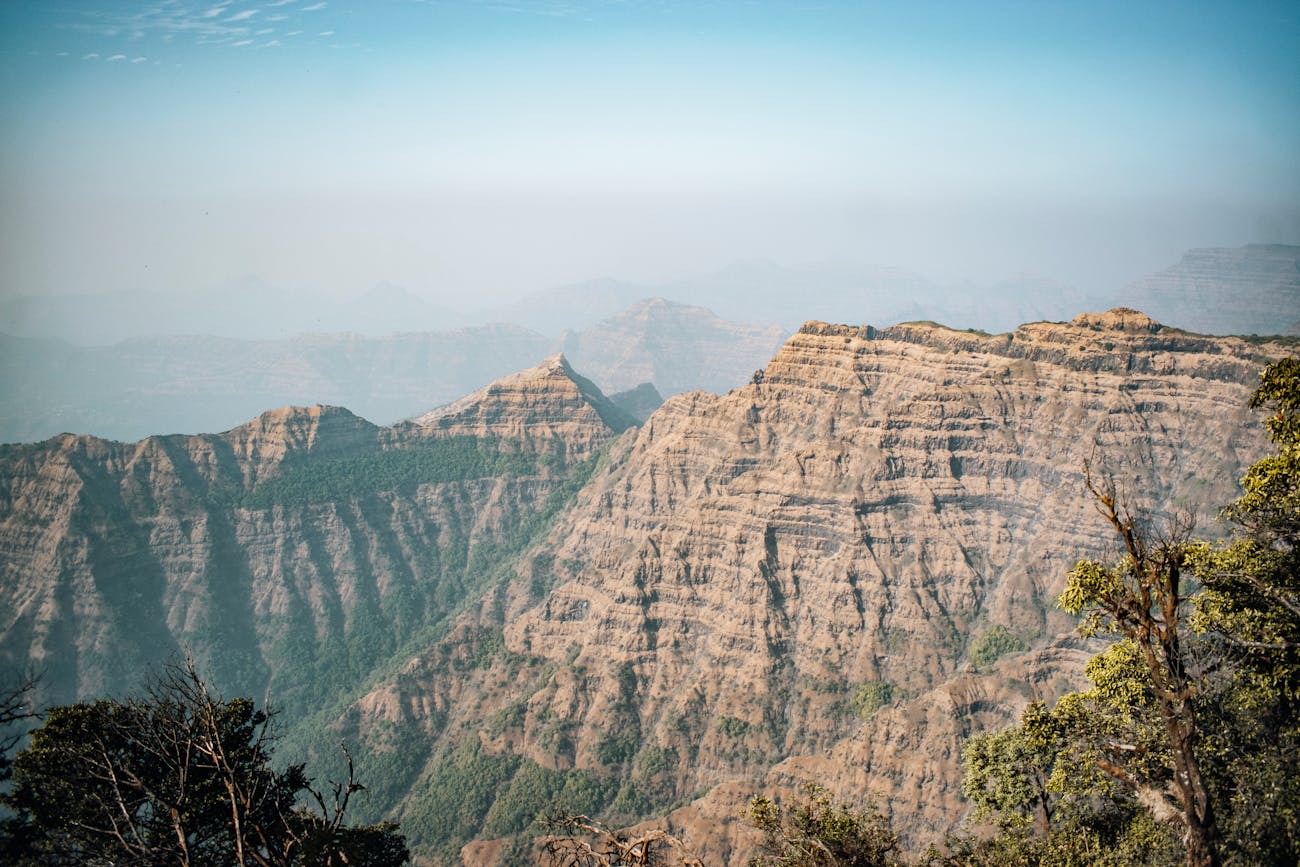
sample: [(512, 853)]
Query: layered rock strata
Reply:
[(788, 580), (291, 554)]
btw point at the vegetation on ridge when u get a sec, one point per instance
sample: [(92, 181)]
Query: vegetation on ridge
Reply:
[(429, 462)]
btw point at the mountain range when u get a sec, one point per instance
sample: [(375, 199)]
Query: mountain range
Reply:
[(1253, 289), (124, 367), (524, 599), (194, 383)]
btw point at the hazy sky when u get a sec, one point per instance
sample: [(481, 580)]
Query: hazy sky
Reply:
[(499, 146)]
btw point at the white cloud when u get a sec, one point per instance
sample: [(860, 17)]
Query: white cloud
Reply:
[(274, 43), (139, 59), (326, 33), (91, 56), (116, 57), (201, 22)]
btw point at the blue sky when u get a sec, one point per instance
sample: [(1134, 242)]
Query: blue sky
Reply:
[(499, 146)]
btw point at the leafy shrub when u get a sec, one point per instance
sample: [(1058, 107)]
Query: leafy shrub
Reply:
[(994, 644), (871, 697), (732, 727)]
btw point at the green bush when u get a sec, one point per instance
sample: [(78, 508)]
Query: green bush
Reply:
[(732, 727), (994, 644), (871, 697)]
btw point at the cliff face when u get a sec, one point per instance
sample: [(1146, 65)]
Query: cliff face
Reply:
[(550, 401), (785, 581), (291, 554), (788, 580)]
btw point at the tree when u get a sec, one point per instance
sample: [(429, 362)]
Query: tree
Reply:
[(579, 841), (1142, 598), (1194, 714), (1249, 612), (15, 708), (179, 776), (818, 831), (1079, 783)]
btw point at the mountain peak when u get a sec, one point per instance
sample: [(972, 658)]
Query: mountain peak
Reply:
[(547, 401), (277, 434)]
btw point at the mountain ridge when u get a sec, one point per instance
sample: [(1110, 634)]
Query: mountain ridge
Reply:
[(783, 581), (745, 565)]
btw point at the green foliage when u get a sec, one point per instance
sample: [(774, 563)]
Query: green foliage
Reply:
[(617, 747), (433, 461), (732, 727), (1249, 614), (1042, 785), (452, 808), (631, 804), (818, 831), (163, 779), (1007, 771), (533, 791), (1106, 775), (993, 645), (655, 760), (585, 793), (870, 697)]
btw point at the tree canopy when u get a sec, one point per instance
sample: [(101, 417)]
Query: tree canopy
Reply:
[(179, 776)]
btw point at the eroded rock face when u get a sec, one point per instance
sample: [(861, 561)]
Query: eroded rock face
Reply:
[(750, 566), (549, 401), (290, 554), (784, 581)]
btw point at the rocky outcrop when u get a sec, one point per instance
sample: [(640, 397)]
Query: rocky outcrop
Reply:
[(787, 580), (549, 402)]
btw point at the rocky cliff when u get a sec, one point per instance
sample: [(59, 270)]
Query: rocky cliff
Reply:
[(291, 554), (793, 579)]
